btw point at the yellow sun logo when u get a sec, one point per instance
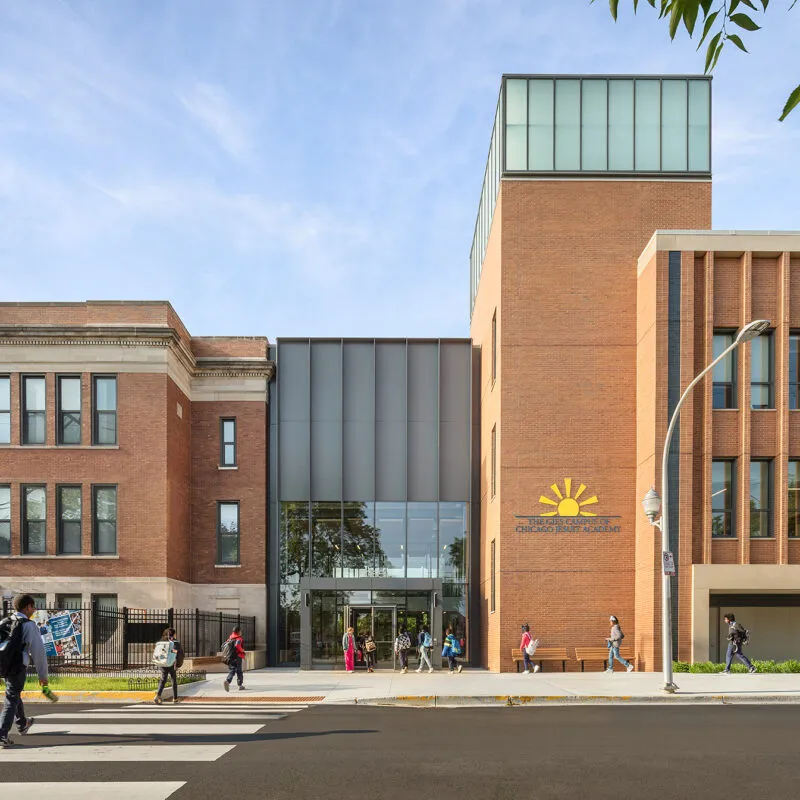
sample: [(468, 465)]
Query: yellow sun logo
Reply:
[(567, 505)]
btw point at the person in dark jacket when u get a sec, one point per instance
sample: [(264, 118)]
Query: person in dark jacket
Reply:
[(236, 661), (172, 671), (736, 638)]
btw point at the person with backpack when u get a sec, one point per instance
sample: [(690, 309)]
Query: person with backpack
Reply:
[(451, 651), (528, 647), (233, 655), (738, 636), (613, 643), (425, 647), (20, 645), (402, 644), (370, 651), (175, 656)]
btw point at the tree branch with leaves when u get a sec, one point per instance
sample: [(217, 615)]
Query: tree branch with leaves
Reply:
[(724, 22)]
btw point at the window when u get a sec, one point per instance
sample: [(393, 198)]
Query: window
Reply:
[(104, 403), (494, 460), (760, 499), (227, 533), (39, 600), (69, 409), (68, 513), (493, 581), (5, 520), (494, 347), (228, 442), (33, 410), (5, 410), (724, 391), (762, 372), (34, 520), (794, 373), (69, 602), (794, 499), (104, 520), (722, 477)]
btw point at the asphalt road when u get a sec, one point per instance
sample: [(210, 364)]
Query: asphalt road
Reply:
[(470, 753)]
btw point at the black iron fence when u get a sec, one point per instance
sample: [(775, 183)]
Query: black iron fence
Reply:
[(95, 638)]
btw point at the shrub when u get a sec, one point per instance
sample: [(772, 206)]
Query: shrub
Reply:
[(709, 667)]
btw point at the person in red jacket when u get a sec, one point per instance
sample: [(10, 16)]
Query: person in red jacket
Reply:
[(236, 661)]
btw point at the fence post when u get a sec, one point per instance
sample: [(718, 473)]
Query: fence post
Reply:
[(197, 633), (170, 617), (125, 637), (220, 639), (94, 635)]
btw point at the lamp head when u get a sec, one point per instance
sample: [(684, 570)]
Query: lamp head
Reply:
[(651, 504), (752, 329)]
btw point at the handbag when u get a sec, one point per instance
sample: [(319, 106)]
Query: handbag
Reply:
[(370, 646), (530, 648)]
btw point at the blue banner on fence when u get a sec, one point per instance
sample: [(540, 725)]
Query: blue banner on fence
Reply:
[(62, 633)]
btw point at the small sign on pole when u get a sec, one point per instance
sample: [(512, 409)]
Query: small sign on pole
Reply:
[(669, 564)]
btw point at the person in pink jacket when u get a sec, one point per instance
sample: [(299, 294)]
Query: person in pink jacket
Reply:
[(525, 642)]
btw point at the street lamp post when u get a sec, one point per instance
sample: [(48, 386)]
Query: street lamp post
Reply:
[(652, 503)]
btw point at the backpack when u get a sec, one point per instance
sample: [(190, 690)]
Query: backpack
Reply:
[(744, 637), (229, 653), (403, 642), (11, 645), (427, 641), (164, 654), (455, 646), (530, 648)]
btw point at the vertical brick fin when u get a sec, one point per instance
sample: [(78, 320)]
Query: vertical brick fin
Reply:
[(781, 468), (742, 474)]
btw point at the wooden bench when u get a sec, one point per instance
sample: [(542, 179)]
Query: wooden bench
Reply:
[(543, 654), (584, 654)]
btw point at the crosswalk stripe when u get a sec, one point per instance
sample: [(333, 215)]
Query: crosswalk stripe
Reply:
[(147, 729), (152, 716), (116, 752), (183, 705), (65, 790)]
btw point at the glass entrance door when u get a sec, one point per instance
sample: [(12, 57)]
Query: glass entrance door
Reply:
[(381, 622)]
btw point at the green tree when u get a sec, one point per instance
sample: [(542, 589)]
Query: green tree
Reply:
[(724, 21)]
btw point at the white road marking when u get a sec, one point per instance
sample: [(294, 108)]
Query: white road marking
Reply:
[(152, 716), (233, 708), (66, 790), (146, 729), (117, 752)]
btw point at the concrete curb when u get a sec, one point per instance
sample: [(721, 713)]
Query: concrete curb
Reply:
[(450, 701)]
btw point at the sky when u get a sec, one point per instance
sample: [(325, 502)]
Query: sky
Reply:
[(313, 168)]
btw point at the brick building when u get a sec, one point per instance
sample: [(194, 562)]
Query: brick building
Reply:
[(589, 325), (133, 459)]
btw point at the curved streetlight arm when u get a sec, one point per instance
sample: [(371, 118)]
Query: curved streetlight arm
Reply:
[(666, 612)]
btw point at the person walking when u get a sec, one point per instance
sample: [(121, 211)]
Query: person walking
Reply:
[(451, 651), (737, 637), (528, 647), (402, 645), (237, 657), (21, 645), (349, 647), (370, 652), (171, 671), (613, 643), (425, 647)]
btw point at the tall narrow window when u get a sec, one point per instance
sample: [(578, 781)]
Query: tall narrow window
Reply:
[(68, 513), (794, 499), (493, 605), (760, 499), (69, 410), (227, 533), (722, 478), (724, 390), (5, 410), (494, 347), (104, 404), (69, 602), (794, 370), (33, 410), (34, 520), (5, 520), (494, 460), (228, 446), (104, 520), (762, 373)]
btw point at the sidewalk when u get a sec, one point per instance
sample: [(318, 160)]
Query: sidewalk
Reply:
[(477, 687)]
